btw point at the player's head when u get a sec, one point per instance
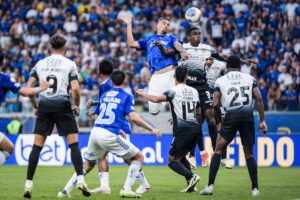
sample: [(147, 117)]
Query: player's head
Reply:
[(233, 62), (106, 67), (209, 61), (181, 74), (163, 26), (58, 43), (194, 35), (118, 78)]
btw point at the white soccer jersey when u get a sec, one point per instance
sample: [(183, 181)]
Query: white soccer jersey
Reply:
[(59, 71), (236, 89), (215, 71), (183, 100), (197, 55)]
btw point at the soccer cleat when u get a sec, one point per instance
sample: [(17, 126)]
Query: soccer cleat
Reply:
[(142, 189), (102, 190), (63, 194), (192, 160), (208, 190), (226, 164), (192, 182), (185, 190), (204, 158), (255, 192), (84, 189), (27, 192), (129, 194)]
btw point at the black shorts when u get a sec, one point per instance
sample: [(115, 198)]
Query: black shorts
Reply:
[(206, 100), (65, 123), (245, 128), (182, 144)]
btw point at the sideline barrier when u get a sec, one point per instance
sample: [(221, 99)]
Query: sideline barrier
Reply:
[(271, 150)]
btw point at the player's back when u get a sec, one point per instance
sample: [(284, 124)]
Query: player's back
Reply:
[(215, 71), (115, 105), (59, 71), (236, 89), (183, 100)]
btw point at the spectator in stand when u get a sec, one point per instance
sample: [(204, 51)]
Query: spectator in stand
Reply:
[(274, 97), (290, 99)]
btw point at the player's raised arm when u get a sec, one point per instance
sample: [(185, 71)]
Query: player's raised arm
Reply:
[(263, 126), (135, 118), (224, 57), (28, 91), (178, 46), (165, 51), (130, 40), (152, 98)]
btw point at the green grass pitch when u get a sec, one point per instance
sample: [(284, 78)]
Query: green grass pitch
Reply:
[(275, 183)]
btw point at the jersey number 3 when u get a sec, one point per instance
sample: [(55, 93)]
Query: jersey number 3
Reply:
[(107, 116), (234, 102)]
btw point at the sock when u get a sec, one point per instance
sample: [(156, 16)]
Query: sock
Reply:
[(224, 154), (252, 169), (213, 133), (133, 169), (72, 182), (179, 168), (141, 178), (104, 178), (76, 158), (3, 156), (214, 167), (187, 165), (33, 161)]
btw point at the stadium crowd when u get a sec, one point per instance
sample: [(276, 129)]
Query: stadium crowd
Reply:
[(268, 31)]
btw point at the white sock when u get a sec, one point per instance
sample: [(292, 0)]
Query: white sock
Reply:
[(28, 183), (104, 178), (141, 178), (133, 169), (80, 179), (3, 157), (71, 183)]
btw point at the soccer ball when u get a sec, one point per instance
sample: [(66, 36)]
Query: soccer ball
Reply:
[(193, 15)]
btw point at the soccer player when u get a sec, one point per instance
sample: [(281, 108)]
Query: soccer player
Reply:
[(235, 92), (54, 108), (7, 83), (162, 67), (115, 105), (105, 70), (184, 103)]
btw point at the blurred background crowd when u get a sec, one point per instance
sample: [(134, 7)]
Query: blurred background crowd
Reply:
[(268, 31)]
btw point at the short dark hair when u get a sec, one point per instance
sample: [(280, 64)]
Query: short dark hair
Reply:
[(233, 62), (181, 73), (106, 67), (57, 41), (192, 29), (118, 77), (162, 18)]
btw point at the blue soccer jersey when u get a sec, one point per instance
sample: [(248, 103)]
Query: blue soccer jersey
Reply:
[(115, 105), (104, 87), (7, 84), (156, 59)]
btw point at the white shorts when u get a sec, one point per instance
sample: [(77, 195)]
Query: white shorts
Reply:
[(2, 136), (102, 141), (159, 84)]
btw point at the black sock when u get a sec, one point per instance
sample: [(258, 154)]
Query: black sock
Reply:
[(187, 165), (224, 154), (33, 161), (252, 169), (214, 167), (76, 158), (213, 133), (179, 168)]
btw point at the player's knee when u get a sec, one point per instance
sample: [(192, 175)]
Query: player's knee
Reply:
[(139, 157), (10, 148)]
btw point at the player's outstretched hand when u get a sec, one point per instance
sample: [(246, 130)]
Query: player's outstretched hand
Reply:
[(127, 20), (157, 132), (140, 92), (90, 113), (263, 127), (44, 85), (76, 110)]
